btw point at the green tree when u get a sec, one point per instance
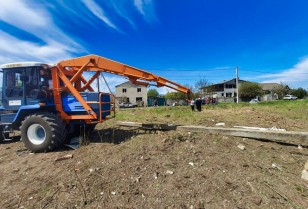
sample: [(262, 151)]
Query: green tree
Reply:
[(281, 90), (300, 93), (249, 90), (176, 96), (153, 93)]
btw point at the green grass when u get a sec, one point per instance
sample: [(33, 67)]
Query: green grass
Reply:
[(293, 113), (297, 109)]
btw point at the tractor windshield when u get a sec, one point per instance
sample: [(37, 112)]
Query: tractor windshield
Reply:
[(14, 83), (17, 85)]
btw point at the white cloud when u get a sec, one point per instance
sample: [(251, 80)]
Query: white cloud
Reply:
[(41, 21), (98, 12), (33, 19), (17, 13), (146, 8), (139, 5), (121, 9), (296, 76), (13, 49), (164, 90), (112, 81)]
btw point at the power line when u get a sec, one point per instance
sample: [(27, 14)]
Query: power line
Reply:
[(191, 70), (264, 72), (200, 76)]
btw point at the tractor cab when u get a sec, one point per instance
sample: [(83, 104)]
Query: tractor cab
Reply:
[(23, 83)]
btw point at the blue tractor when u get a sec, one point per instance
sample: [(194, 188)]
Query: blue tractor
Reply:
[(49, 103), (27, 103)]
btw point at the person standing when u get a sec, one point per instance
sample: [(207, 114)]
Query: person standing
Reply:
[(155, 103), (192, 105), (198, 104)]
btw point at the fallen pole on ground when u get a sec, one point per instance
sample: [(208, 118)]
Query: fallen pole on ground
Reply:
[(150, 126), (291, 137)]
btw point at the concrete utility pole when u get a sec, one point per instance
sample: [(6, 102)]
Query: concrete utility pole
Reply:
[(237, 87)]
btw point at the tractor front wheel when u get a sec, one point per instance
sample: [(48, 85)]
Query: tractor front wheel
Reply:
[(1, 134), (43, 132)]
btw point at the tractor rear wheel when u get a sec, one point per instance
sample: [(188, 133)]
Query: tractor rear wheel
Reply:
[(43, 132)]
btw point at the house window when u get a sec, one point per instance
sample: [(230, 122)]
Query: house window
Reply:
[(230, 86), (138, 89), (228, 94), (124, 90), (222, 94)]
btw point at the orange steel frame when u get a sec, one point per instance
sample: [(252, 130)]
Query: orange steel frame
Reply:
[(67, 77)]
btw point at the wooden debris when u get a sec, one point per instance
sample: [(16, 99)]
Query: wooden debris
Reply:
[(65, 157)]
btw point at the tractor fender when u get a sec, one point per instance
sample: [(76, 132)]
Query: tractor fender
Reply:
[(26, 110)]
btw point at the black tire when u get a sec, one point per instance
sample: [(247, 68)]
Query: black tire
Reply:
[(43, 132), (1, 134)]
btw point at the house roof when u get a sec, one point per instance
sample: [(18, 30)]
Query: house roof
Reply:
[(128, 84), (225, 81), (269, 86)]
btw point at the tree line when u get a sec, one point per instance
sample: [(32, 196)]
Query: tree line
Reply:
[(247, 91)]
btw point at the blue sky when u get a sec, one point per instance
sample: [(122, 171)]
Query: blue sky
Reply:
[(183, 41)]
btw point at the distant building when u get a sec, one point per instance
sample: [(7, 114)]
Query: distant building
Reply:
[(268, 89), (226, 90), (129, 92)]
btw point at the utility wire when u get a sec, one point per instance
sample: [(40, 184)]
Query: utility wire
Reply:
[(256, 71), (191, 70)]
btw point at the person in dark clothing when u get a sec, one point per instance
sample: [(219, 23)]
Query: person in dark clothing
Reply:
[(45, 76), (155, 103), (198, 104)]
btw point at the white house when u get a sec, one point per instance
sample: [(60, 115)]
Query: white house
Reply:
[(226, 90), (129, 92), (269, 93)]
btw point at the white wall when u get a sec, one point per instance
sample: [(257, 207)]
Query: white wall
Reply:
[(131, 93)]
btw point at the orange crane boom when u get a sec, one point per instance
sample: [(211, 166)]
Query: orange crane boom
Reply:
[(67, 76), (101, 64)]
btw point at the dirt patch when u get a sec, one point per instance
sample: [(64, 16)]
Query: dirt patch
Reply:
[(130, 168)]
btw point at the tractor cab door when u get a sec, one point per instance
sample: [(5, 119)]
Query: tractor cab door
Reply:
[(13, 89)]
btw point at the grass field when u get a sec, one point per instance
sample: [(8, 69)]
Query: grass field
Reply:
[(291, 115)]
